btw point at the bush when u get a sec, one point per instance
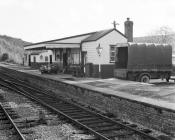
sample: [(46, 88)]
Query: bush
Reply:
[(4, 57)]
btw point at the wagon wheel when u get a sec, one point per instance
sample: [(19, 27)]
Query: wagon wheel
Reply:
[(167, 78), (144, 78)]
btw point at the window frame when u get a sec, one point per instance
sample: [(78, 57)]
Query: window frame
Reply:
[(47, 59), (34, 59), (110, 53)]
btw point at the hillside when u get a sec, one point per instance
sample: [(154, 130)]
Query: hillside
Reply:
[(13, 47)]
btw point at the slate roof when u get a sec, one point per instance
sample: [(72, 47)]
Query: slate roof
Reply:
[(93, 36), (99, 34)]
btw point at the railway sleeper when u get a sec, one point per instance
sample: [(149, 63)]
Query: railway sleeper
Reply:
[(3, 117), (11, 131), (5, 121), (104, 124), (26, 131), (100, 129), (12, 113), (96, 120), (72, 111), (6, 126), (65, 109), (21, 126), (87, 119), (92, 122), (118, 134), (80, 116), (1, 113), (58, 104), (77, 113)]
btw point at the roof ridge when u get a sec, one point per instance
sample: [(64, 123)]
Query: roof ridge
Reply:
[(100, 34)]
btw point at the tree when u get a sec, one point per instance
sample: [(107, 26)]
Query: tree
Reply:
[(4, 57), (162, 35), (165, 35)]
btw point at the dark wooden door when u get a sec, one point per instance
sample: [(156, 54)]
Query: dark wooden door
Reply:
[(64, 59), (29, 60), (50, 59)]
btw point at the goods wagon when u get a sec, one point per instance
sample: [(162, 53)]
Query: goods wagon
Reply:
[(142, 62)]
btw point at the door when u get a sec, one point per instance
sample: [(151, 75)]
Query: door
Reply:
[(64, 59), (29, 58), (50, 59)]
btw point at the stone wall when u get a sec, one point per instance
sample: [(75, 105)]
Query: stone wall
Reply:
[(148, 115)]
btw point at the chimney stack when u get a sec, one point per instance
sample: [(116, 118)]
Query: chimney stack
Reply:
[(129, 30)]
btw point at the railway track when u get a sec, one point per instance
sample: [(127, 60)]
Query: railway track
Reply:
[(7, 125), (100, 126)]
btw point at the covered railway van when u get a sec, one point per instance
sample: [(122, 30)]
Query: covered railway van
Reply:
[(143, 61)]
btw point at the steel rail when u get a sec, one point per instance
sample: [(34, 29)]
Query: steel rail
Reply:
[(56, 110), (98, 134), (21, 137)]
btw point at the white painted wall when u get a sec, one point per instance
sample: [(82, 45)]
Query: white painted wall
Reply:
[(110, 39), (44, 54)]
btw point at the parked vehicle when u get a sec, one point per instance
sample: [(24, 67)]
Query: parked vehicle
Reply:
[(142, 62), (49, 68)]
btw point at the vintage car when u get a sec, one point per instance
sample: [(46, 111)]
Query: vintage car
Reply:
[(49, 68)]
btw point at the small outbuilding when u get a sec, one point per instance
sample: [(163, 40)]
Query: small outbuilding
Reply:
[(93, 52)]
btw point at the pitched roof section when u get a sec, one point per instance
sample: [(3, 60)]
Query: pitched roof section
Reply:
[(52, 41), (97, 35), (93, 36)]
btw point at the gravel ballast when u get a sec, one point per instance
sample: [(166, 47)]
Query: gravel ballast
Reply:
[(29, 112)]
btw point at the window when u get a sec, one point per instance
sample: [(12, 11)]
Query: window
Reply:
[(112, 54), (74, 56), (46, 59), (34, 59), (41, 57)]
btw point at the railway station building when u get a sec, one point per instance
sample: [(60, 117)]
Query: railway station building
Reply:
[(93, 52)]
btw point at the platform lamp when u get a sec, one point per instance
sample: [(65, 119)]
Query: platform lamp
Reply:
[(99, 51)]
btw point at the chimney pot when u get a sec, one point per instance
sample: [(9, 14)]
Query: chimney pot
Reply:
[(128, 19)]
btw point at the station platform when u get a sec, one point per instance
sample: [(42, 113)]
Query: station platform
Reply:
[(157, 92), (151, 105)]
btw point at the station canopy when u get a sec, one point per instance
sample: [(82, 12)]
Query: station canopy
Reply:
[(53, 46)]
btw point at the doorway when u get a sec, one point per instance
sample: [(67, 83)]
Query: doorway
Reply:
[(64, 59), (50, 59), (121, 57), (29, 60)]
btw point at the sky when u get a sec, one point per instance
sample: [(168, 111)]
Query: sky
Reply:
[(41, 20)]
